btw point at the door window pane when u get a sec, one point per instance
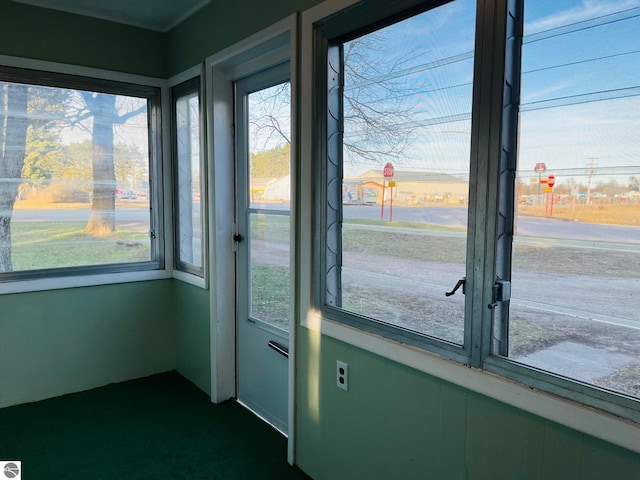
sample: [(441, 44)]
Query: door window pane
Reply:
[(270, 280), (269, 204), (270, 147), (576, 257)]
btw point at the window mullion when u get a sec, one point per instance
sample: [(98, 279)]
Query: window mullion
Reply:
[(492, 170), (333, 255), (508, 166)]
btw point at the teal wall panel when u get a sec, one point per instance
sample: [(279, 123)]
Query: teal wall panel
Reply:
[(193, 334), (222, 24), (44, 34), (562, 453), (396, 422), (61, 341), (453, 431), (496, 440), (601, 460), (534, 450)]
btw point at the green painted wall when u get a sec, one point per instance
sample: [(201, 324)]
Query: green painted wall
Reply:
[(396, 422), (222, 24), (60, 341), (193, 334), (44, 34)]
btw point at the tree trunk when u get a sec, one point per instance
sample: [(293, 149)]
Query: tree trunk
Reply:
[(102, 220), (12, 152)]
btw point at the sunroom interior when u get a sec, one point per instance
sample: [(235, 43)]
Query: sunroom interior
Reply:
[(365, 396)]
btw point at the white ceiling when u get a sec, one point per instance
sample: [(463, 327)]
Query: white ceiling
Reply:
[(159, 15)]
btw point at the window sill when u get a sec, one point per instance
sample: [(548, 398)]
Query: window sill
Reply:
[(190, 278), (593, 422), (58, 283)]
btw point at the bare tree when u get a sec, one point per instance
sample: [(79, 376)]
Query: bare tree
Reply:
[(378, 100), (379, 103), (14, 99), (102, 110), (269, 113)]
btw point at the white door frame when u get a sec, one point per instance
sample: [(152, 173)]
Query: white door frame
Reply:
[(266, 48)]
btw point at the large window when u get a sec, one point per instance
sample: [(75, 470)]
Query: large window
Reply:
[(399, 130), (76, 163), (455, 151), (188, 178), (576, 250)]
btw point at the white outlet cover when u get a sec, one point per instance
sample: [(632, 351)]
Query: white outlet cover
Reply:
[(342, 375)]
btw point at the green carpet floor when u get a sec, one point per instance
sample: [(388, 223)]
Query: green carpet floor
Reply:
[(159, 427)]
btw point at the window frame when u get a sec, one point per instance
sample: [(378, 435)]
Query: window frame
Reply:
[(496, 97), (178, 90), (47, 74), (512, 20), (329, 35)]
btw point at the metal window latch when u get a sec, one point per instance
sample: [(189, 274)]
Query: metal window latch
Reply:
[(237, 237), (501, 292), (461, 283)]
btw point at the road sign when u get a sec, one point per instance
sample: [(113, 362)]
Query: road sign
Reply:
[(544, 180), (548, 189), (551, 180), (392, 183), (540, 167), (388, 170)]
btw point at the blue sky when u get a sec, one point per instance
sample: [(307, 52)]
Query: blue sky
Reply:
[(580, 86)]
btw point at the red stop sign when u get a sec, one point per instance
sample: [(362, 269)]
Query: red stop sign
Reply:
[(551, 181), (388, 170)]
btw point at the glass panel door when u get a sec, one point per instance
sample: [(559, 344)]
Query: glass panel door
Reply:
[(263, 267)]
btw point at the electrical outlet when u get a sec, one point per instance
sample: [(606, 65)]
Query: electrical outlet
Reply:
[(342, 375)]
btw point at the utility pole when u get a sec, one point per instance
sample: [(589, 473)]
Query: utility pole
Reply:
[(592, 163)]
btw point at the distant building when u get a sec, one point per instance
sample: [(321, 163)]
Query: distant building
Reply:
[(271, 189), (412, 188), (278, 189)]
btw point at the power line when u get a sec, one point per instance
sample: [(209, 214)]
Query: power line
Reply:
[(526, 39), (415, 69), (594, 23), (579, 62), (582, 98), (604, 95), (469, 84), (590, 97)]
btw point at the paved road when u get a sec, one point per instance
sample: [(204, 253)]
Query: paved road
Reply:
[(526, 226), (455, 217), (129, 217)]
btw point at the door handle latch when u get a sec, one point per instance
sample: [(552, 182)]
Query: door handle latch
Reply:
[(281, 349), (501, 292), (461, 283)]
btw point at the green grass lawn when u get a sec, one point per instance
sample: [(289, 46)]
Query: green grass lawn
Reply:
[(270, 294), (38, 245)]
